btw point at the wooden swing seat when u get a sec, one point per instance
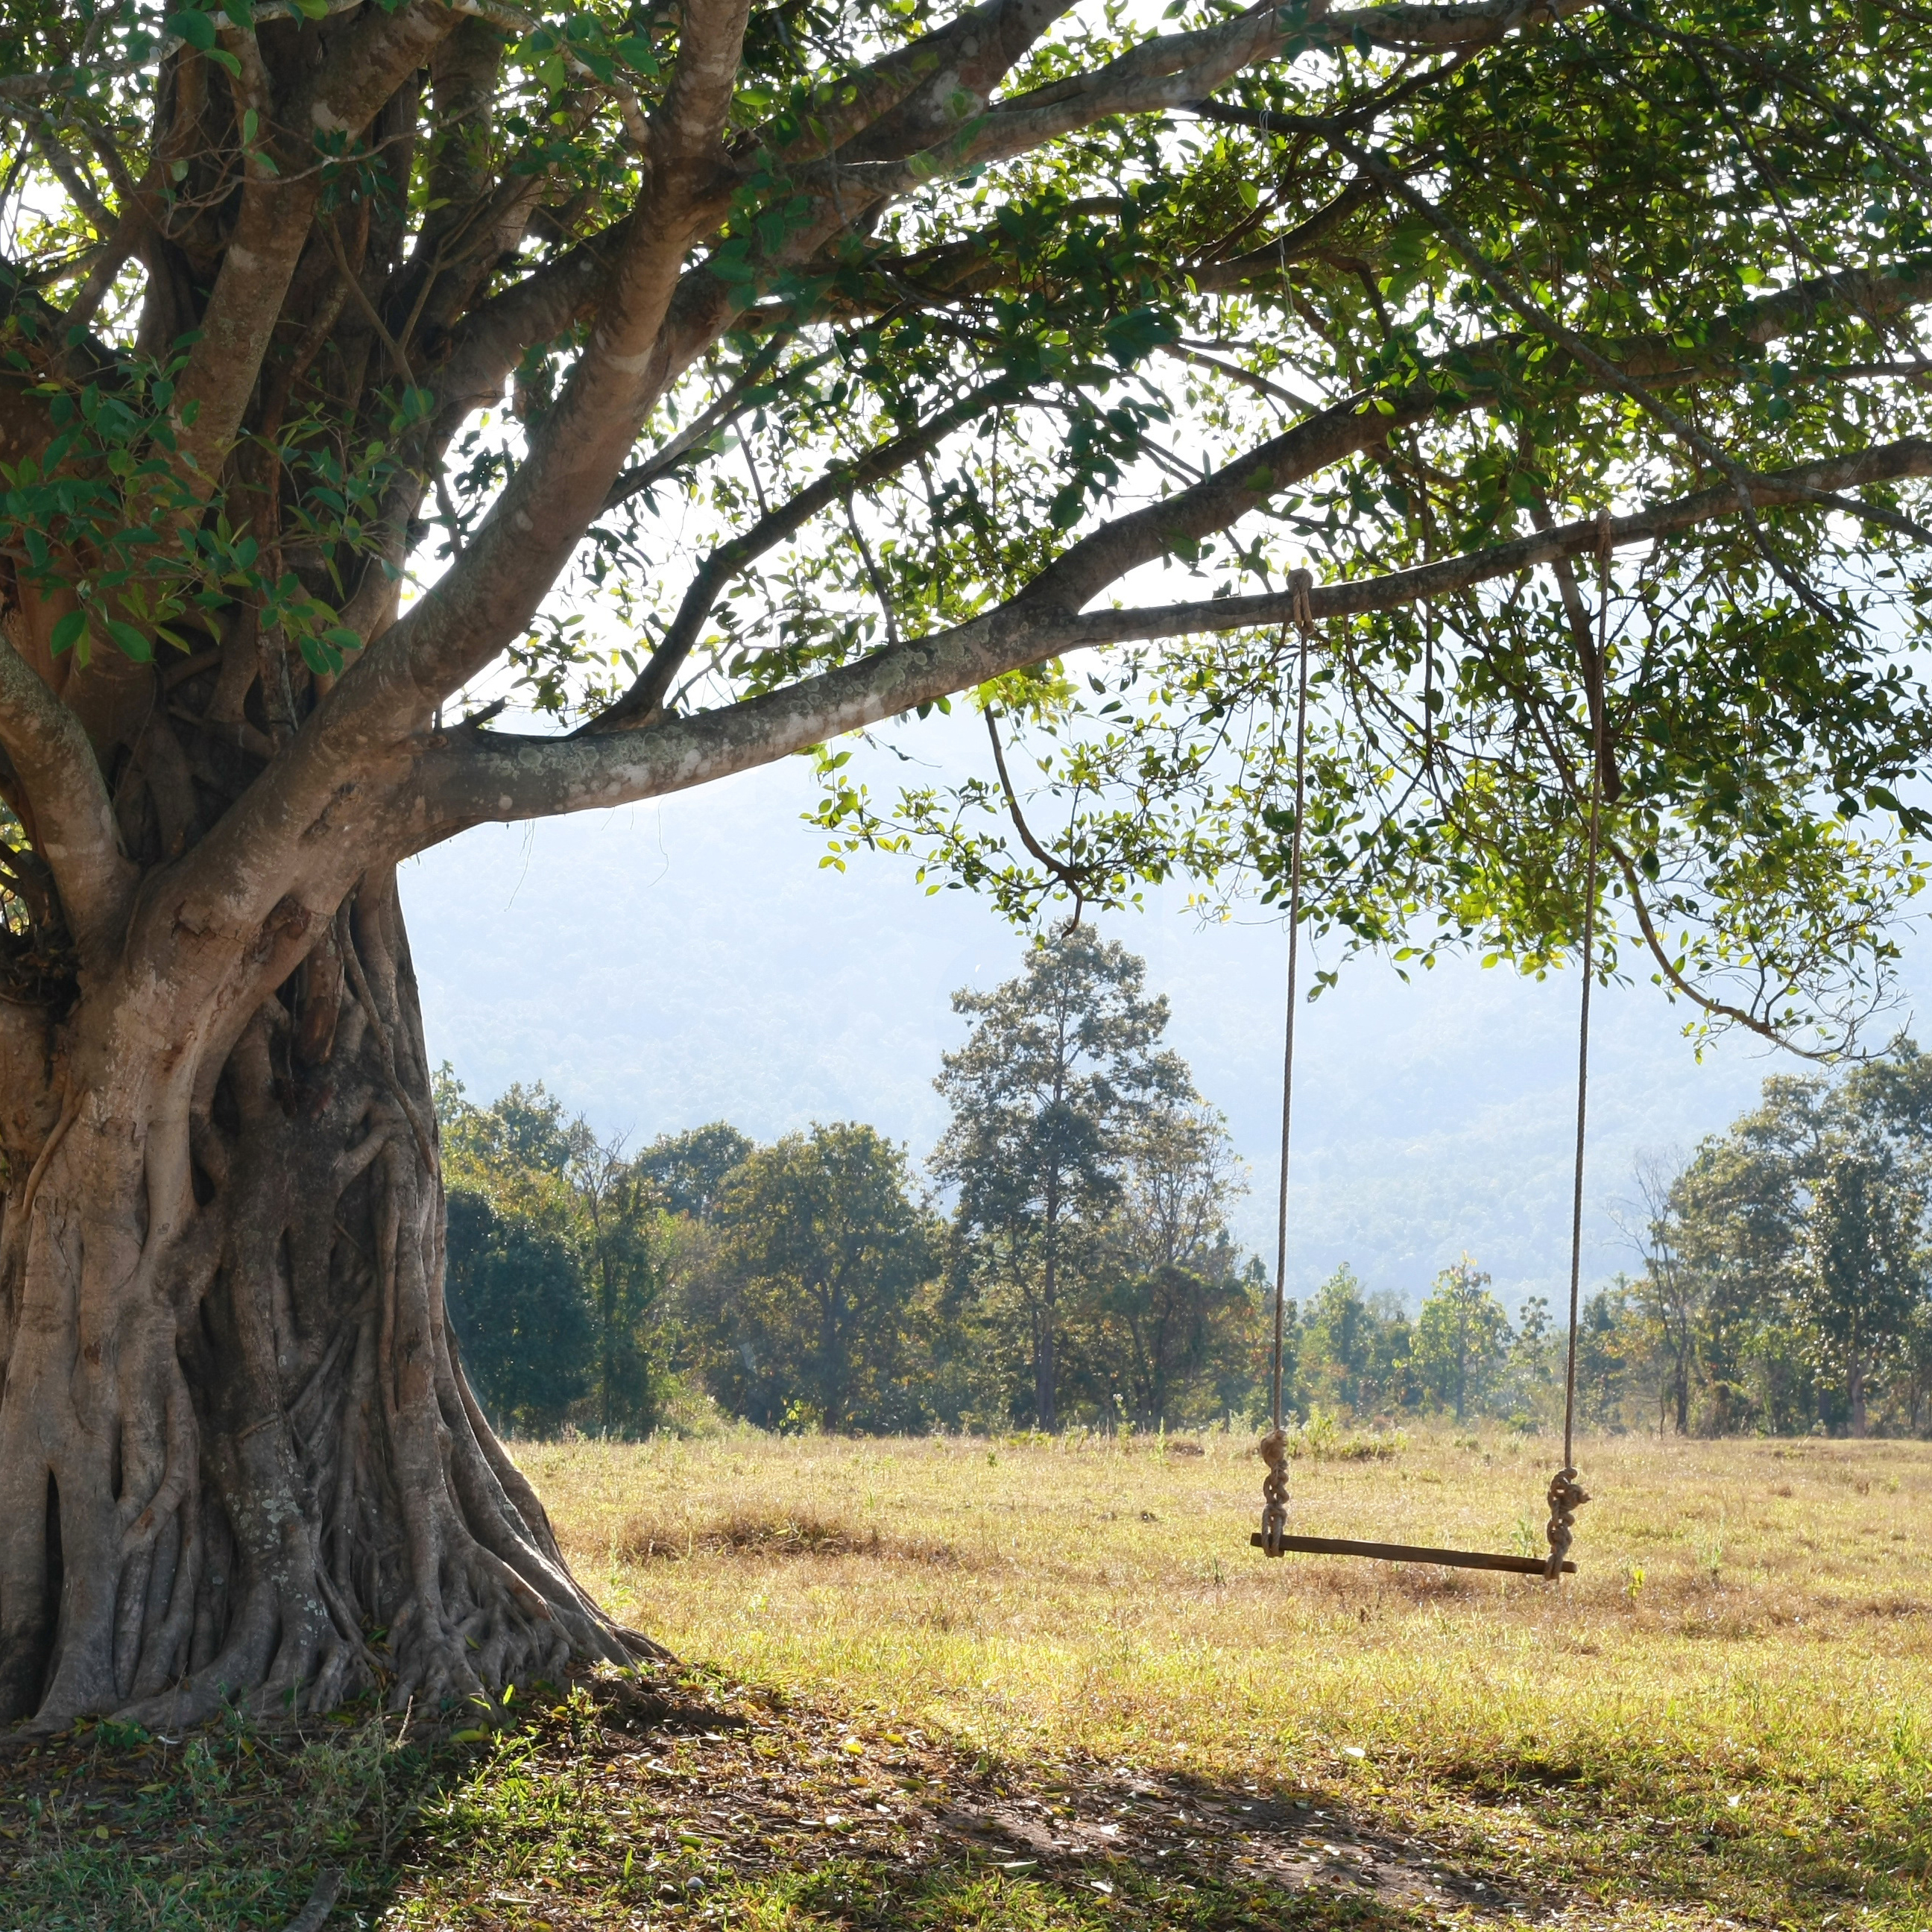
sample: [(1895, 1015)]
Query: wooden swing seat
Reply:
[(1408, 1553)]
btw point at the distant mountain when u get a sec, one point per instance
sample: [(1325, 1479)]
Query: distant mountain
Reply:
[(669, 964)]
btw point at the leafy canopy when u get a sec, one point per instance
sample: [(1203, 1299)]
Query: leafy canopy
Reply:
[(712, 383)]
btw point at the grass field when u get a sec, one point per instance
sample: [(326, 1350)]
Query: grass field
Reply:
[(1044, 1686)]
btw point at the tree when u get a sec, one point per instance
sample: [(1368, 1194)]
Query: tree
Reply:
[(1175, 1314), (689, 1170), (1062, 1066), (902, 311), (1463, 1337), (1356, 1349), (617, 1202), (558, 1195), (1738, 1212), (1865, 1277), (517, 1308), (820, 1252), (1613, 1350), (1671, 1290)]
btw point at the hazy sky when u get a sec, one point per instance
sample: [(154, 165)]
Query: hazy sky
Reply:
[(679, 962)]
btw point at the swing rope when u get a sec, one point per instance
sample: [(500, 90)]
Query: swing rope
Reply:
[(1274, 1450), (1566, 1495)]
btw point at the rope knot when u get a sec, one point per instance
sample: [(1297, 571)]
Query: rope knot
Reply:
[(1567, 1496), (1273, 1450), (1301, 583)]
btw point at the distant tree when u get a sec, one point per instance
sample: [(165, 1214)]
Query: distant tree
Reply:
[(1174, 1307), (518, 1149), (821, 1254), (1173, 1310), (1671, 1291), (1462, 1336), (1613, 1351), (515, 1296), (559, 1196), (1787, 1261), (689, 1170), (1913, 1378), (1063, 1062), (1355, 1352), (1736, 1227), (1865, 1274), (1531, 1382), (624, 1259)]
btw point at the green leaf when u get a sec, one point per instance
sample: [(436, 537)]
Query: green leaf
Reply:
[(322, 657), (130, 642), (69, 631), (194, 27)]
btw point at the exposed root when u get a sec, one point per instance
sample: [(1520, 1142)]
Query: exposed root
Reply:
[(306, 1500)]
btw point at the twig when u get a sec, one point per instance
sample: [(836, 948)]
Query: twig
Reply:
[(360, 295), (1073, 877)]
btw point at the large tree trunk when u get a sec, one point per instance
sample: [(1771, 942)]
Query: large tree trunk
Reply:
[(237, 1455)]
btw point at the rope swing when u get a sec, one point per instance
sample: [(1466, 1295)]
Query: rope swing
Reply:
[(1566, 1495)]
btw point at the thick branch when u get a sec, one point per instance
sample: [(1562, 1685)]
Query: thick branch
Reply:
[(366, 62), (1218, 501), (492, 591), (479, 777), (1174, 71), (74, 817)]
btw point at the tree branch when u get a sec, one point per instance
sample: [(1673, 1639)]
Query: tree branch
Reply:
[(1717, 1009), (364, 64), (481, 777), (645, 697), (74, 829), (490, 592)]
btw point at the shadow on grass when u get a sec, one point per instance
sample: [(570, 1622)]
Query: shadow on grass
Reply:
[(692, 1801), (730, 1807)]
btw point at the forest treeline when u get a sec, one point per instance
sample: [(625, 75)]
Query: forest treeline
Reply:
[(1067, 1260)]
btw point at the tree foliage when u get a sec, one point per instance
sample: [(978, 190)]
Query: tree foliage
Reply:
[(514, 1289), (1786, 1278), (1462, 1338), (846, 368), (1062, 1070), (804, 1311), (558, 1253)]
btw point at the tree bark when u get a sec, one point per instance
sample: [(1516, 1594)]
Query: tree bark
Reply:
[(238, 1458)]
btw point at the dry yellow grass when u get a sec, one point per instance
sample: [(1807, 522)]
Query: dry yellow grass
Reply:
[(1103, 1593), (1749, 1636)]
